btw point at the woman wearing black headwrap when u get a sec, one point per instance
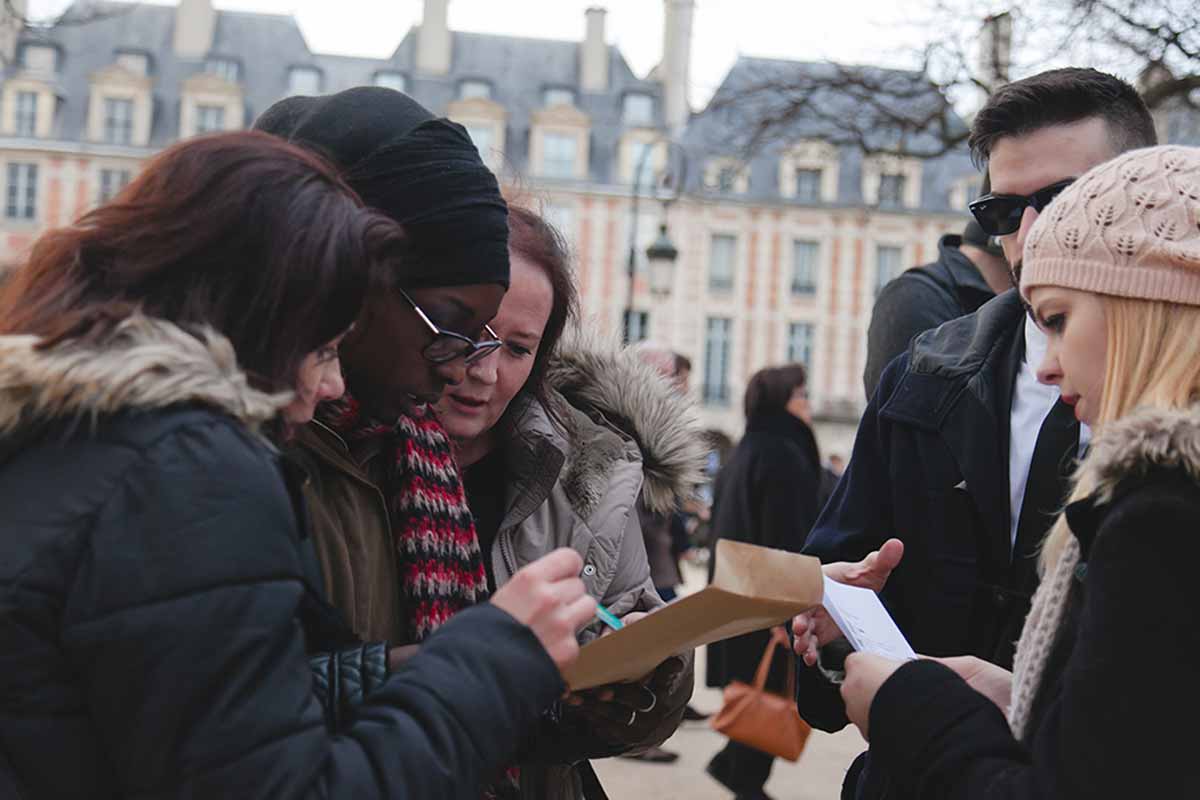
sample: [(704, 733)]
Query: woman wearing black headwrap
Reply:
[(390, 522)]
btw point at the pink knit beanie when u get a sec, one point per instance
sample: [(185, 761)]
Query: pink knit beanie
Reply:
[(1129, 227)]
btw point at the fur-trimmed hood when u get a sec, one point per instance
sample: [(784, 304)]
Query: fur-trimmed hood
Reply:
[(1146, 439), (143, 364), (599, 377)]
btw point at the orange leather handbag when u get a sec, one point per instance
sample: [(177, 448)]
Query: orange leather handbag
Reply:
[(764, 720)]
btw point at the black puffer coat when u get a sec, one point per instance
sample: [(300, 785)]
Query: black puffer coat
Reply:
[(766, 494), (154, 596)]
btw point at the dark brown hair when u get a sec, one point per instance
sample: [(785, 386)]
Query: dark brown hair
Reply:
[(533, 238), (770, 389), (257, 238), (1061, 97)]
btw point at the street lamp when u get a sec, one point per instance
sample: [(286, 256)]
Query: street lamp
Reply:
[(661, 254)]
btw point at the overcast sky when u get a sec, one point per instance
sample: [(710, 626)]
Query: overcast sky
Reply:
[(853, 31)]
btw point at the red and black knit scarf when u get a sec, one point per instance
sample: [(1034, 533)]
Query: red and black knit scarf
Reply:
[(433, 531), (441, 567)]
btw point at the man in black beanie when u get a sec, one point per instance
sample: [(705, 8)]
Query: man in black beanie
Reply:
[(969, 271)]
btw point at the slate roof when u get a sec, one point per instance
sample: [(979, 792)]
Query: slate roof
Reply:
[(518, 69), (721, 129)]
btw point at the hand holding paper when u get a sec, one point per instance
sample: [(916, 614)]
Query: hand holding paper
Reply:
[(865, 622)]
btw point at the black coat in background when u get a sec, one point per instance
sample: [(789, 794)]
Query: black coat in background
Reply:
[(919, 300), (766, 494)]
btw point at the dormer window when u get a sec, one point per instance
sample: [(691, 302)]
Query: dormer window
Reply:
[(210, 119), (558, 155), (474, 90), (137, 63), (808, 185), (225, 68), (25, 114), (556, 96), (40, 58), (891, 191), (391, 80), (118, 121), (304, 81), (638, 109)]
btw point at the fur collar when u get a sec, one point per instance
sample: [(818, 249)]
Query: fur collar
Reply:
[(599, 377), (143, 364), (1145, 439)]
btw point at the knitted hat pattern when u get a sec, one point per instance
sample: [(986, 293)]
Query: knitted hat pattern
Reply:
[(1129, 228)]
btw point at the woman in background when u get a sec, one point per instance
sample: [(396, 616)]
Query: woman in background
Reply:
[(767, 494)]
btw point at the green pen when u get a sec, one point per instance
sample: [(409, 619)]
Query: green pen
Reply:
[(608, 618)]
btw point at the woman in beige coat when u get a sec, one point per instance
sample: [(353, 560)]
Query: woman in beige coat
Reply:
[(557, 444)]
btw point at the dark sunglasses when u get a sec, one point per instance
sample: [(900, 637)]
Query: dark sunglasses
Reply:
[(448, 345), (1000, 214)]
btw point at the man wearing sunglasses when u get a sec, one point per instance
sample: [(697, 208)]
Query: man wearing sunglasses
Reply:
[(961, 453)]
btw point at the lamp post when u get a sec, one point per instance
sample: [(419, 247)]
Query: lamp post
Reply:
[(662, 253)]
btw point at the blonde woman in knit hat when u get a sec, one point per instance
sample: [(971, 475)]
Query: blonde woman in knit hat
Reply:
[(1106, 686)]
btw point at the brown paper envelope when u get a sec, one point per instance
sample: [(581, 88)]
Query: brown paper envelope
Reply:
[(753, 588)]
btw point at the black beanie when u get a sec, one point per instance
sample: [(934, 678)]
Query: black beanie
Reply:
[(422, 171)]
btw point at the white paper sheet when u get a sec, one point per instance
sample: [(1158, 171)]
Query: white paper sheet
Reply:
[(865, 622)]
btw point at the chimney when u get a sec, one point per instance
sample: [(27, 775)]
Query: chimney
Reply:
[(195, 22), (433, 39), (593, 55), (995, 50), (676, 61)]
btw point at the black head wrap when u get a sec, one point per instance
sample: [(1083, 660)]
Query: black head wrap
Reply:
[(420, 170)]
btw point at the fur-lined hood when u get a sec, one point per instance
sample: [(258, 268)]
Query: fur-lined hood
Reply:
[(143, 364), (599, 377), (1146, 439)]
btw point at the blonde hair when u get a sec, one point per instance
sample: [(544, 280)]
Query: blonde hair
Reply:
[(1152, 360)]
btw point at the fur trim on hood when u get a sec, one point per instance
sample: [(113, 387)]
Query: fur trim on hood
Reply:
[(144, 363), (596, 375), (1144, 439)]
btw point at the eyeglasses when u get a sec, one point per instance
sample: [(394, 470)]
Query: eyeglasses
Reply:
[(448, 345), (1000, 214)]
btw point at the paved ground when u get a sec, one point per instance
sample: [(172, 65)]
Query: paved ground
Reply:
[(816, 776)]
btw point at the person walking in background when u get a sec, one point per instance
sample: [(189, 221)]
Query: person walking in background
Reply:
[(535, 431), (766, 494), (970, 270), (158, 595), (1112, 275)]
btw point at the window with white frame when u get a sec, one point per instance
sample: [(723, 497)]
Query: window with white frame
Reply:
[(718, 340), (111, 182), (808, 185), (118, 120), (557, 96), (562, 217), (392, 80), (137, 63), (722, 260), (558, 155), (888, 261), (473, 90), (641, 164), (210, 119), (727, 178), (800, 343), (637, 326), (25, 113), (483, 137), (226, 68), (40, 58), (21, 192), (637, 109), (891, 191), (304, 80), (805, 266)]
